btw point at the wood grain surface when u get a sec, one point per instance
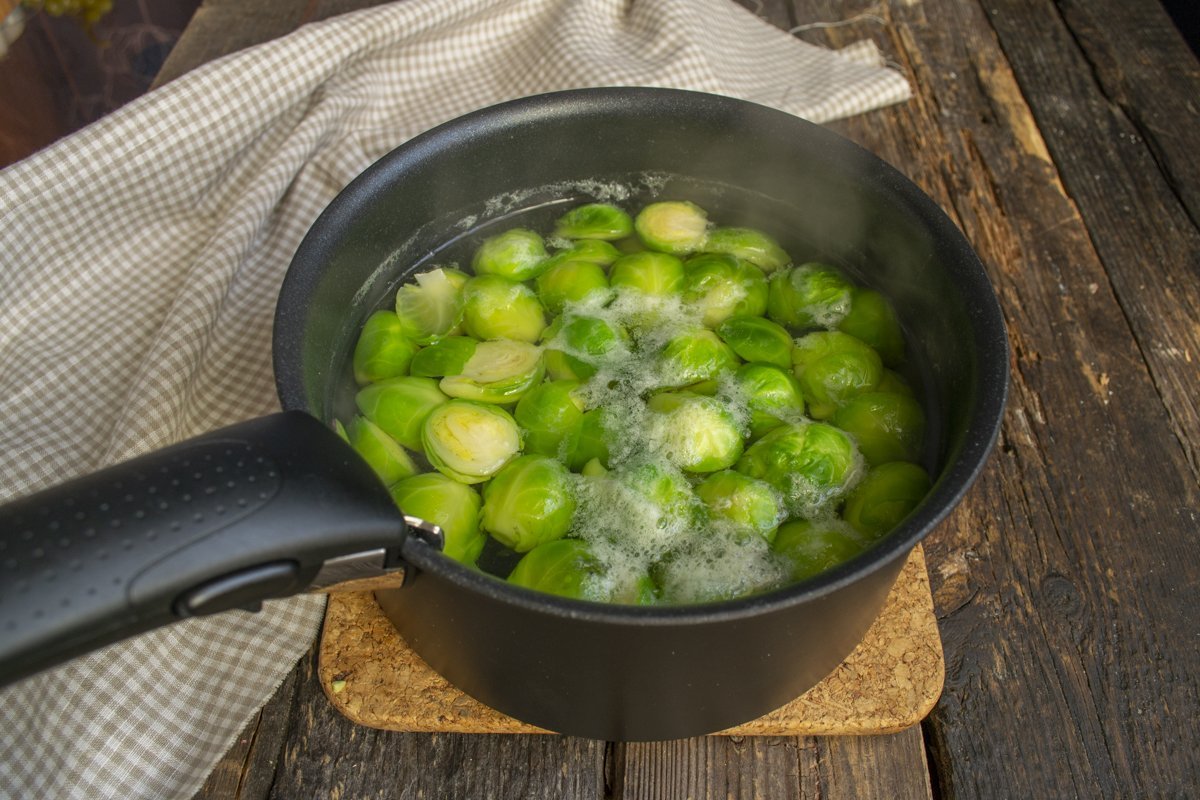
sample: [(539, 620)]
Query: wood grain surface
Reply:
[(1063, 138)]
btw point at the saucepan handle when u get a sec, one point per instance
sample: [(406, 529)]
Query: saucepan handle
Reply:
[(222, 521)]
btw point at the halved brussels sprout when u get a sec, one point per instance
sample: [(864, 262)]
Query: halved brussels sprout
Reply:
[(757, 339), (495, 307), (499, 371), (529, 502), (383, 350), (547, 414), (399, 406), (676, 227), (832, 367), (811, 464), (517, 254), (888, 494), (814, 546), (594, 221), (696, 433), (446, 357), (390, 461), (470, 441), (451, 505), (887, 426), (570, 282), (721, 286), (694, 356), (577, 345), (749, 245), (587, 440), (748, 503), (873, 320), (655, 274), (808, 296), (771, 395), (431, 307)]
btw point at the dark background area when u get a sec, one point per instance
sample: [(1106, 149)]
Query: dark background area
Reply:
[(1186, 15)]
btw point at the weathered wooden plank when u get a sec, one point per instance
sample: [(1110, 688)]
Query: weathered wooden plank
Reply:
[(709, 767)]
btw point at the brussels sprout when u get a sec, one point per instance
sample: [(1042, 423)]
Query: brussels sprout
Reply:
[(749, 245), (382, 351), (722, 286), (757, 339), (873, 320), (594, 221), (594, 469), (886, 426), (565, 567), (452, 506), (528, 503), (771, 395), (746, 502), (446, 357), (655, 274), (495, 307), (385, 455), (517, 254), (470, 441), (570, 282), (888, 494), (577, 345), (587, 440), (832, 367), (811, 464), (499, 371), (894, 383), (665, 494), (694, 356), (810, 295), (431, 307), (696, 433), (676, 227), (813, 546), (547, 414), (591, 250), (399, 406)]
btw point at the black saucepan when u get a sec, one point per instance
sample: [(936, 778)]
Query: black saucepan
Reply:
[(280, 505)]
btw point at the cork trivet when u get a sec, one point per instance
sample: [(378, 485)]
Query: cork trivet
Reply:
[(890, 681)]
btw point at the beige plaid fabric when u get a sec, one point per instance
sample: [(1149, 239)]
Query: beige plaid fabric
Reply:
[(139, 265)]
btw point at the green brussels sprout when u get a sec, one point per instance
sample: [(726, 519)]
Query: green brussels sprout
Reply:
[(570, 282), (694, 356), (757, 339), (888, 494), (894, 383), (832, 367), (886, 426), (495, 307), (399, 406), (675, 227), (499, 371), (722, 286), (654, 274), (749, 245), (469, 441), (587, 440), (594, 221), (431, 307), (577, 345), (390, 461), (665, 496), (748, 503), (547, 414), (517, 254), (528, 502), (565, 567), (452, 506), (771, 395), (811, 547), (811, 464), (382, 350), (445, 357), (697, 433), (873, 320), (591, 250), (808, 296)]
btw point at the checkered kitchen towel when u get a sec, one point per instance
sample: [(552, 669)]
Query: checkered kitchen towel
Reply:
[(139, 265)]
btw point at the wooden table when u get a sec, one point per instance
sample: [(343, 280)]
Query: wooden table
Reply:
[(1064, 138)]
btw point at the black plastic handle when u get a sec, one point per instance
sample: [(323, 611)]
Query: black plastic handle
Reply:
[(218, 522)]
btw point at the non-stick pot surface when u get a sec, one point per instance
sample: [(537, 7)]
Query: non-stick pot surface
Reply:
[(649, 673)]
